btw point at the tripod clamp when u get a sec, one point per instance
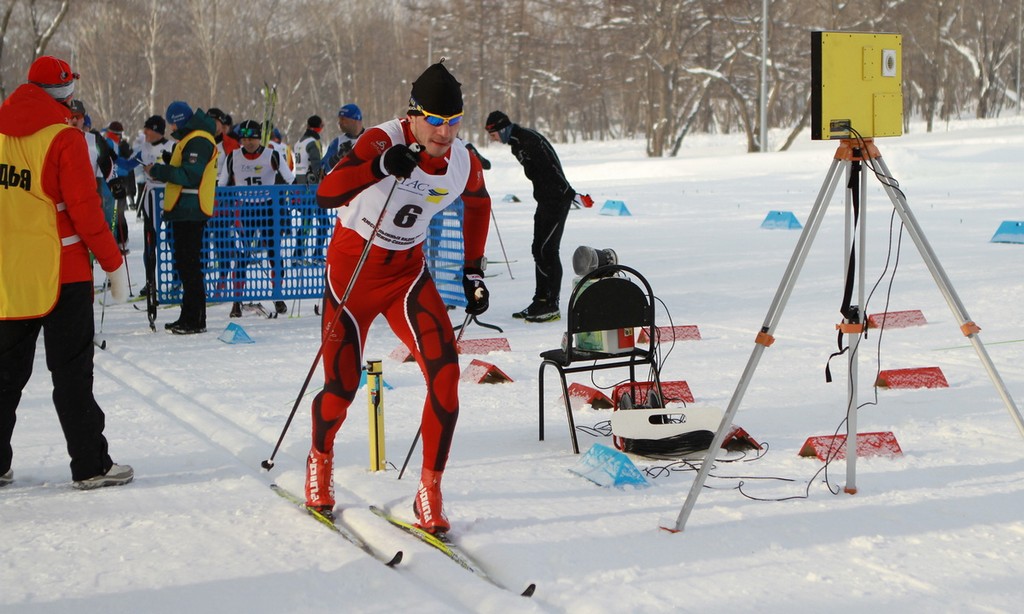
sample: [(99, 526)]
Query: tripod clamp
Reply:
[(472, 319)]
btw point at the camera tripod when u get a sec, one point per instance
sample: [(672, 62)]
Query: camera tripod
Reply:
[(849, 158)]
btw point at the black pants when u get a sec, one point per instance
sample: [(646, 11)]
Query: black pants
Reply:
[(147, 200), (188, 244), (121, 227), (67, 338), (548, 225)]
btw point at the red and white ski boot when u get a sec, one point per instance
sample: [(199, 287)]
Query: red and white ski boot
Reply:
[(320, 482), (428, 505)]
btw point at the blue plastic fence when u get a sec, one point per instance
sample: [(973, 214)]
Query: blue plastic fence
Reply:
[(269, 243), (443, 250)]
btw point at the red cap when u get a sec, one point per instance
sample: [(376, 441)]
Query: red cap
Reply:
[(54, 75)]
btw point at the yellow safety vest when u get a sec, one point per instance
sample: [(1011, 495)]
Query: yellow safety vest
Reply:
[(30, 243), (207, 184)]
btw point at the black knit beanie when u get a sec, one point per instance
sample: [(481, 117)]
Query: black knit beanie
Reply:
[(436, 91), (156, 124), (496, 121)]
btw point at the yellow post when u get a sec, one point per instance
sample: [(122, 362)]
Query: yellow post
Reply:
[(375, 394)]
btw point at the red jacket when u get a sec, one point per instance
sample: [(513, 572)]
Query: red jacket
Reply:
[(67, 178)]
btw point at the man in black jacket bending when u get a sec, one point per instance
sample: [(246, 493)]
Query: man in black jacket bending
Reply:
[(554, 198)]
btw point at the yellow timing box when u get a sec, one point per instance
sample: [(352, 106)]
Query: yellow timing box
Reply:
[(856, 82), (375, 417)]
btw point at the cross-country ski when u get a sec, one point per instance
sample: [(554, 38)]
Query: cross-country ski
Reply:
[(338, 527), (445, 546)]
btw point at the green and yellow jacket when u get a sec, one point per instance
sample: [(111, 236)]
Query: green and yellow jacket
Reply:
[(191, 175)]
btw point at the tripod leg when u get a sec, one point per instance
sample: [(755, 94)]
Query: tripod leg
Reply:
[(968, 327), (764, 337), (472, 319), (856, 232), (486, 325)]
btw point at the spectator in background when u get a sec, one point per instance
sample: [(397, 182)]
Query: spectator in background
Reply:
[(226, 142), (191, 178), (121, 180), (309, 152), (220, 230), (155, 148), (114, 134), (77, 108), (554, 198), (139, 174), (99, 157), (277, 143), (350, 121), (49, 222)]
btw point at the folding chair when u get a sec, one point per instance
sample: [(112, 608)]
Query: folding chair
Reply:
[(608, 298)]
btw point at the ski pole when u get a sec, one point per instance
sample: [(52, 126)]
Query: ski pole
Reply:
[(411, 448), (416, 439), (149, 253), (106, 280), (502, 244), (127, 271), (462, 329), (269, 463), (97, 338)]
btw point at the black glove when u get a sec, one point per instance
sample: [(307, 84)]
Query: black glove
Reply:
[(484, 162), (117, 188), (166, 157), (476, 291), (399, 161)]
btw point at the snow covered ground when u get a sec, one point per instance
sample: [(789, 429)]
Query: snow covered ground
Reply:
[(939, 528)]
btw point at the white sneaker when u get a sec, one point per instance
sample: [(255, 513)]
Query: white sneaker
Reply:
[(7, 478), (117, 475)]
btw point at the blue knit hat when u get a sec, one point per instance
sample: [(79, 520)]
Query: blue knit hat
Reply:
[(351, 111), (178, 113)]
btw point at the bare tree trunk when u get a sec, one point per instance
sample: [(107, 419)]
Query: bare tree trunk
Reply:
[(42, 39), (3, 39), (805, 119), (149, 39), (206, 36)]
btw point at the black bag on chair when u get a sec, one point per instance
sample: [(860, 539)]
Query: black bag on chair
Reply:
[(607, 299)]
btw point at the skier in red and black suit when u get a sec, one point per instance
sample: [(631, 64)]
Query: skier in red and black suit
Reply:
[(386, 169)]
